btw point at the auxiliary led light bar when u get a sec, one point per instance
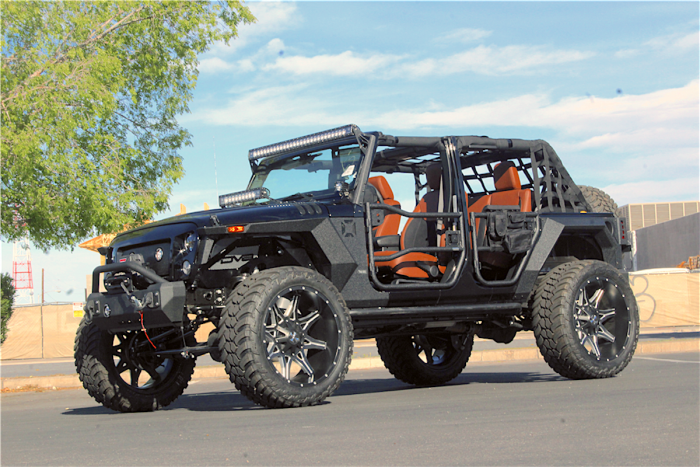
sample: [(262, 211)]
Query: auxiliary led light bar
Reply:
[(233, 199), (298, 143)]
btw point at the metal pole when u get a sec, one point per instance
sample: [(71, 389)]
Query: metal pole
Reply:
[(41, 308)]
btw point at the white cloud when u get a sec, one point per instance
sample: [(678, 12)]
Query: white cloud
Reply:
[(653, 191), (462, 35), (673, 43), (271, 17), (343, 64), (488, 60), (492, 60), (275, 46), (649, 136), (627, 53), (659, 118), (581, 117), (280, 105), (678, 41), (214, 65)]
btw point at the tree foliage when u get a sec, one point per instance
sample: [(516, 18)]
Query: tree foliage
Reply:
[(7, 299), (90, 96)]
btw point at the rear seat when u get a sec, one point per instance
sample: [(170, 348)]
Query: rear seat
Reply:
[(508, 193)]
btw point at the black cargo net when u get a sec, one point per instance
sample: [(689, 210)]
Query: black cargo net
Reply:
[(552, 187)]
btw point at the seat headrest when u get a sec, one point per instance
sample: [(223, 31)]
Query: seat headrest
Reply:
[(505, 177), (380, 183), (434, 174)]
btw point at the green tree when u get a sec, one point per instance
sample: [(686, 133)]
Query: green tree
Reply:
[(7, 299), (90, 92)]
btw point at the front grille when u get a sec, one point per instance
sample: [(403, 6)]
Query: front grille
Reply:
[(146, 255)]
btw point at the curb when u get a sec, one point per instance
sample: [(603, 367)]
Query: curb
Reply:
[(41, 383)]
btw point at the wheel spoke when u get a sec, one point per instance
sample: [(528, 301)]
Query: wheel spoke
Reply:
[(307, 321), (277, 315), (603, 333), (606, 314), (314, 344), (597, 297), (134, 373), (594, 344), (286, 366), (583, 316), (428, 351), (303, 362), (274, 353), (582, 299), (293, 308), (121, 366)]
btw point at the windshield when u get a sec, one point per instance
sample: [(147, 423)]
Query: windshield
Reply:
[(313, 174)]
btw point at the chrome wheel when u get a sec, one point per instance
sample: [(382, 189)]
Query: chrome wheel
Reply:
[(434, 350), (426, 359), (601, 319), (301, 335)]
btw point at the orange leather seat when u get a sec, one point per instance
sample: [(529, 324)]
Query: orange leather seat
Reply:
[(390, 225), (508, 191), (416, 233)]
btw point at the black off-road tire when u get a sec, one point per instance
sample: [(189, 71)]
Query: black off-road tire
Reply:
[(401, 356), (581, 302), (255, 333), (599, 200), (94, 361)]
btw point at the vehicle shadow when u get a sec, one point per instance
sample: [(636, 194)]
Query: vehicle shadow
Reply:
[(219, 401), (231, 400), (370, 386)]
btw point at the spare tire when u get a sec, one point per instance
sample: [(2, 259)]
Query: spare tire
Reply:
[(598, 200)]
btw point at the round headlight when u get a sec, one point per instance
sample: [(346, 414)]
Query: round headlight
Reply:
[(186, 268), (190, 242)]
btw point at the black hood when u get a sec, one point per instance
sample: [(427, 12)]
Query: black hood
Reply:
[(239, 215)]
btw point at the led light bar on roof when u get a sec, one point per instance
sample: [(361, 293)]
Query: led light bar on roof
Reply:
[(304, 141), (232, 199)]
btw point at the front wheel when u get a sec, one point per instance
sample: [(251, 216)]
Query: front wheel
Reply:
[(585, 320), (121, 370), (426, 360), (286, 338)]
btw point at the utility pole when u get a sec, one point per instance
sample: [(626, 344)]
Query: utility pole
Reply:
[(41, 310)]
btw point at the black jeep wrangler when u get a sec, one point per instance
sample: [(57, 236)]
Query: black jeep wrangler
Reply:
[(317, 252)]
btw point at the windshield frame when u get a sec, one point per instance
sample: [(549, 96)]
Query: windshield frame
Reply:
[(264, 166)]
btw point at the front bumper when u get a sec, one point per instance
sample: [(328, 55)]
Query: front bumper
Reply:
[(163, 302)]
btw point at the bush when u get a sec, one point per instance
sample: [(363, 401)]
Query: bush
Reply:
[(8, 299)]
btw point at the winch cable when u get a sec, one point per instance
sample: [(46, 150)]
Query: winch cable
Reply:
[(143, 328)]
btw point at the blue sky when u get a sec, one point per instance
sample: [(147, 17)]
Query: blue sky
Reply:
[(612, 86)]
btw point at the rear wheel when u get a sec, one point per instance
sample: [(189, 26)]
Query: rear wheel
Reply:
[(286, 338), (122, 372), (585, 320), (426, 360)]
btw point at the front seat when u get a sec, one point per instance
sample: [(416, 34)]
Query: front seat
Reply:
[(418, 232), (390, 225)]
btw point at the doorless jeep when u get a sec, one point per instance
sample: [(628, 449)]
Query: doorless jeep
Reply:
[(317, 252)]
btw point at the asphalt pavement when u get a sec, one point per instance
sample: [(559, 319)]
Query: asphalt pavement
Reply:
[(517, 413)]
